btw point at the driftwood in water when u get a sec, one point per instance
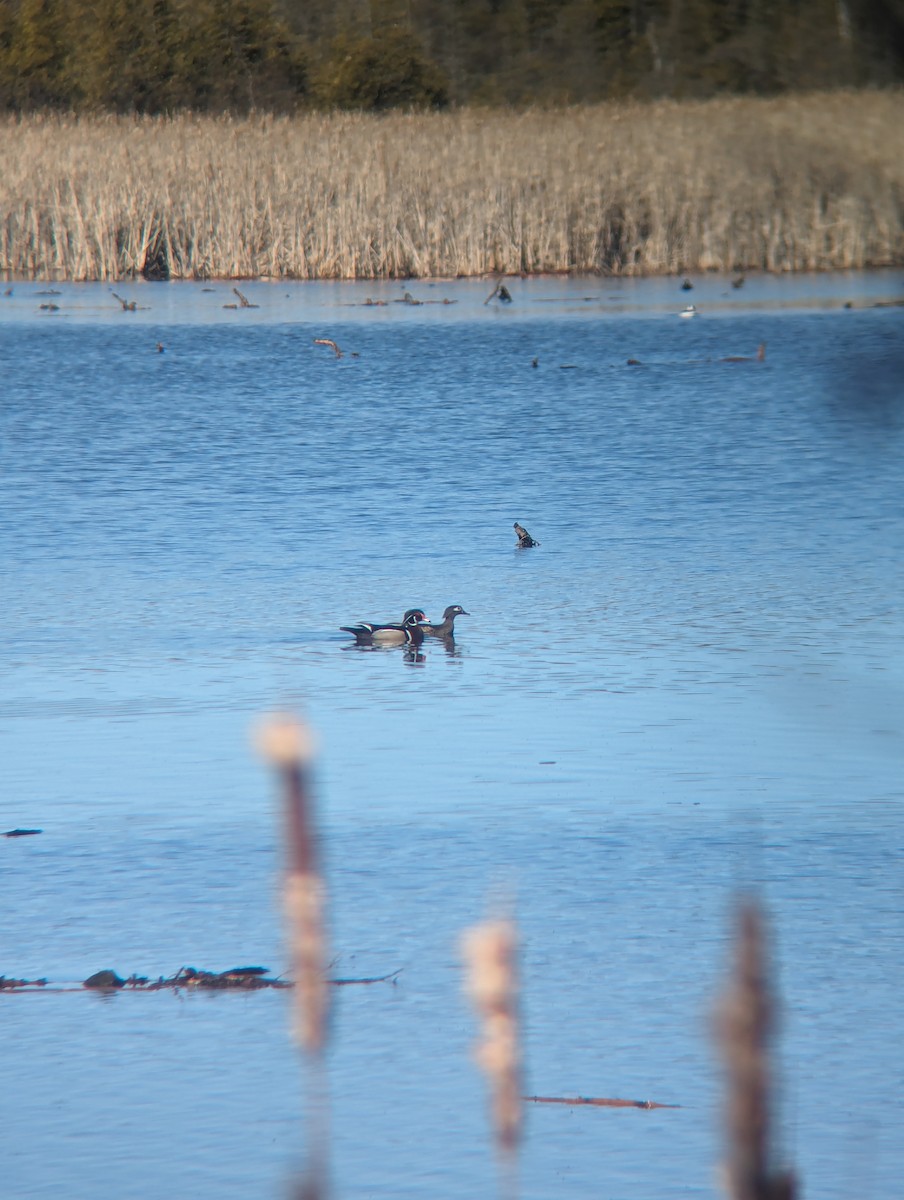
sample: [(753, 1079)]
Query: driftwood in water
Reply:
[(236, 978), (11, 985), (187, 977), (391, 978), (244, 302), (598, 1102)]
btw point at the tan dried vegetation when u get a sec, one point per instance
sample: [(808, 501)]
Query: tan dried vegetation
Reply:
[(798, 183)]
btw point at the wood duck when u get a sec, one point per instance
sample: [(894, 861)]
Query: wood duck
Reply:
[(408, 632), (446, 628), (525, 541)]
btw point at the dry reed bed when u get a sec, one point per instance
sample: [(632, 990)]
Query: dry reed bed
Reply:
[(805, 183)]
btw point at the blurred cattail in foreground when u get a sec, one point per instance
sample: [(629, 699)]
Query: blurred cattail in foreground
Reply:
[(288, 744), (489, 950), (745, 1021)]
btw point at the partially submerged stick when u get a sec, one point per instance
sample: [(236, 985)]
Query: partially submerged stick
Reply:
[(244, 302), (392, 977), (598, 1101)]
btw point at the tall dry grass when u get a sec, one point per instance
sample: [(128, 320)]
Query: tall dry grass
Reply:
[(797, 183)]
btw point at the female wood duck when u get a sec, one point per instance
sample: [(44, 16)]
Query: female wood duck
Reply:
[(525, 541), (446, 627), (409, 632)]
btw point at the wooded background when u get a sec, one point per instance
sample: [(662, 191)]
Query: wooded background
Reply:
[(161, 56)]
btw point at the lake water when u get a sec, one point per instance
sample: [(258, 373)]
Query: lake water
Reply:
[(692, 689)]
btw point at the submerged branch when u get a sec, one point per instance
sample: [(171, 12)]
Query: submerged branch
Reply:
[(235, 978), (598, 1102)]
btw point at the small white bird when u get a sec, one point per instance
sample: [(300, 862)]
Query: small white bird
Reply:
[(689, 311)]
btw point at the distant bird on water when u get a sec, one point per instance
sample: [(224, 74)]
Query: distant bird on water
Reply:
[(687, 286), (689, 311), (525, 541), (407, 633), (760, 355), (501, 293)]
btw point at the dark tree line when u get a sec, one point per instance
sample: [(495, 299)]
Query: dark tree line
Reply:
[(218, 55), (148, 55)]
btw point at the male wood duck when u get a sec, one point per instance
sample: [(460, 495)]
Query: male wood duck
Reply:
[(408, 632), (525, 541), (446, 628)]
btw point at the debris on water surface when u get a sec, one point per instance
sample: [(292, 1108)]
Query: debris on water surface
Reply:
[(104, 981), (233, 979)]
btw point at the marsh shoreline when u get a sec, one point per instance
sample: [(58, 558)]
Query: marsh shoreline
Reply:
[(805, 183)]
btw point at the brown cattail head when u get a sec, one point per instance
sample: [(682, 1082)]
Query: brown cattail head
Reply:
[(745, 1022), (289, 745), (489, 950)]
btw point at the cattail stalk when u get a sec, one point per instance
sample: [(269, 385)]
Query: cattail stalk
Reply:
[(490, 954), (745, 1022), (288, 745), (790, 183)]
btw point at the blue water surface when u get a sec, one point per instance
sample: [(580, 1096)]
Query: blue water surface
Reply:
[(691, 690)]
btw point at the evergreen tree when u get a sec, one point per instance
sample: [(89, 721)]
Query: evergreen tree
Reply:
[(163, 55), (387, 70), (35, 61)]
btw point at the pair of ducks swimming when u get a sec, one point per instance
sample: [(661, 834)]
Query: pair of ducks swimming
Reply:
[(411, 631)]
